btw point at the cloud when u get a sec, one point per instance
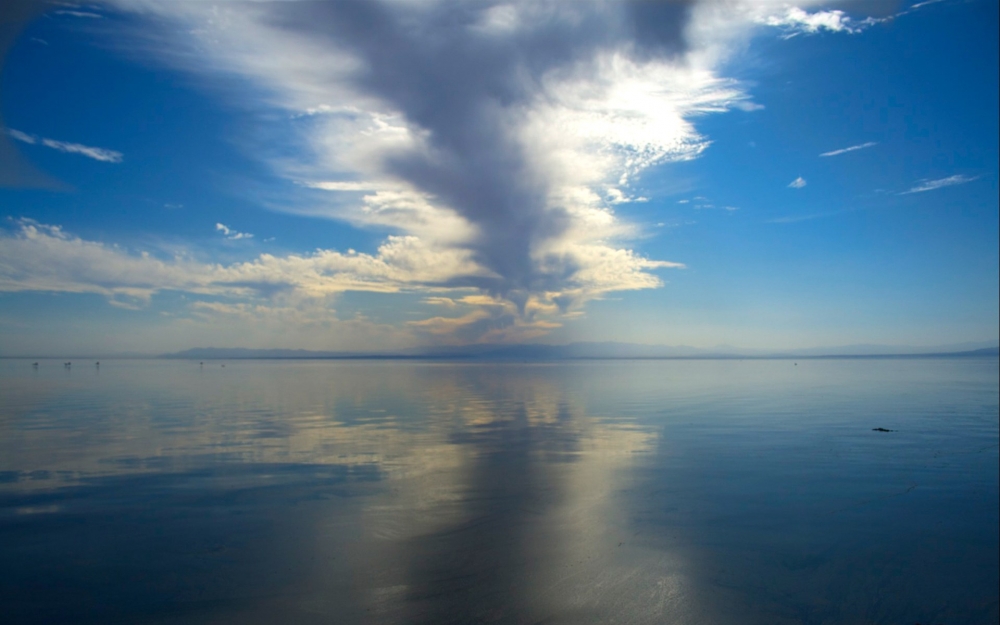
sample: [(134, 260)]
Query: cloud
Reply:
[(798, 183), (40, 257), (510, 135), (931, 185), (440, 301), (795, 21), (702, 203), (860, 146), (231, 234), (23, 137), (791, 219), (45, 258), (921, 5), (98, 154), (482, 327), (749, 106), (79, 14), (506, 131)]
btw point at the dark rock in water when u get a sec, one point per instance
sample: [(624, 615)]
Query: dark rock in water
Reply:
[(881, 430)]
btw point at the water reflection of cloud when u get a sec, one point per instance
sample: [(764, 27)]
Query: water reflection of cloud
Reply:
[(495, 496), (406, 493), (533, 528)]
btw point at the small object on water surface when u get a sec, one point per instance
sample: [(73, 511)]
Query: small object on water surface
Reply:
[(881, 430)]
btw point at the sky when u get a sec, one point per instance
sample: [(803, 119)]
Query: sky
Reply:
[(382, 175)]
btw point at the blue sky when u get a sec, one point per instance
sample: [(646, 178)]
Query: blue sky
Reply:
[(385, 175)]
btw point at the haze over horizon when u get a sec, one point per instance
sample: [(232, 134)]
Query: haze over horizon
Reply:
[(376, 176)]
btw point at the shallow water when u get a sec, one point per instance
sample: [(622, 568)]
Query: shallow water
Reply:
[(685, 491)]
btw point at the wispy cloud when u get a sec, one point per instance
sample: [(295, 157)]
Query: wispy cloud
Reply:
[(231, 234), (798, 183), (701, 203), (940, 183), (23, 137), (98, 154), (860, 146), (920, 5), (791, 219), (440, 301), (88, 14), (796, 21)]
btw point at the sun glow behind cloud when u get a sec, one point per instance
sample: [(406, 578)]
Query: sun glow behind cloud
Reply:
[(504, 135), (499, 144)]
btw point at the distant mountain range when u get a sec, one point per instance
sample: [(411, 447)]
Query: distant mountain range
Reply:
[(587, 351)]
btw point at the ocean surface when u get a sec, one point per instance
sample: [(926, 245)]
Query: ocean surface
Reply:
[(670, 491)]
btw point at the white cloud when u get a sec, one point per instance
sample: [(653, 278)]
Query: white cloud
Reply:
[(798, 183), (87, 14), (795, 21), (574, 129), (860, 146), (22, 136), (509, 143), (39, 257), (98, 154), (346, 185), (231, 234), (791, 219), (931, 185), (440, 301)]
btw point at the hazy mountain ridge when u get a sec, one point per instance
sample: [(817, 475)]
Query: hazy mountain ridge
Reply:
[(585, 351)]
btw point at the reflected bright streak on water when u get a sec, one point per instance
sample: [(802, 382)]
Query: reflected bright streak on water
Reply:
[(579, 492)]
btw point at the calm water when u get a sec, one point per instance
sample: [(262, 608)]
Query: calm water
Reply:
[(583, 492)]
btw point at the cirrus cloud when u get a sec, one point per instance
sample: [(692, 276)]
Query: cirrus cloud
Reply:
[(940, 183), (98, 154)]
